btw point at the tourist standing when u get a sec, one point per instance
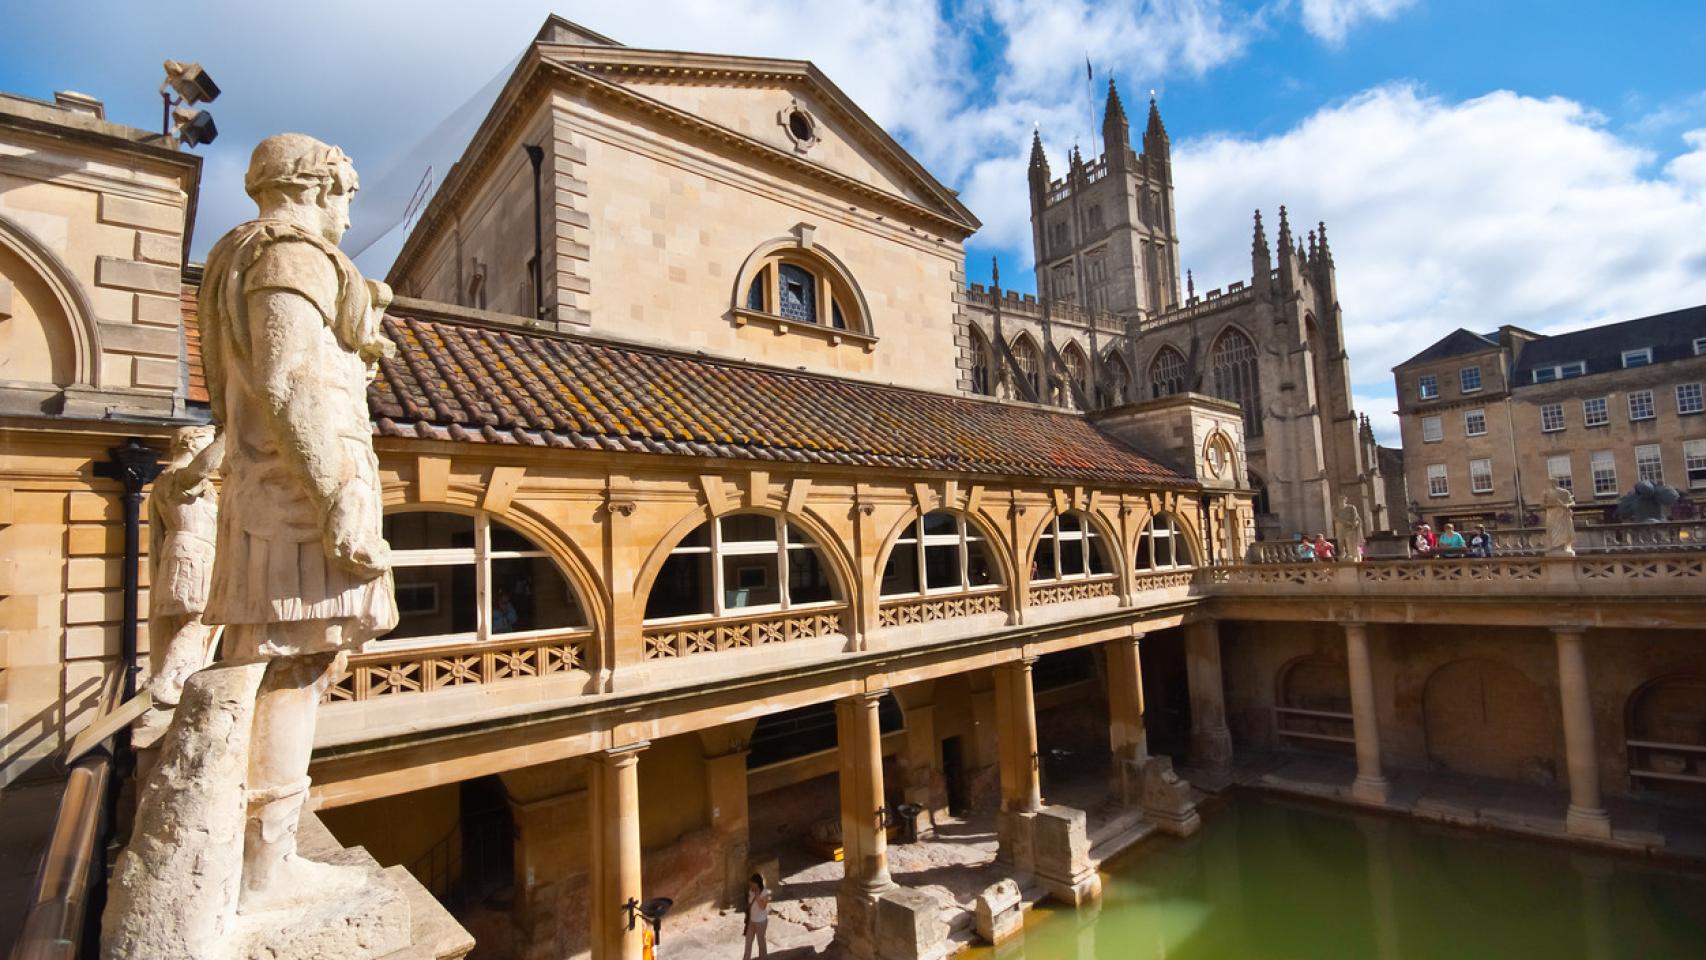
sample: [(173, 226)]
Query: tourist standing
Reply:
[(1323, 547), (1450, 543), (1422, 541), (1481, 542), (1305, 548), (757, 916)]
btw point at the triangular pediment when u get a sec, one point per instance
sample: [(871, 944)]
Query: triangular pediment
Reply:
[(752, 101)]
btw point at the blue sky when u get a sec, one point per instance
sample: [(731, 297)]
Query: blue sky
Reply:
[(1541, 164)]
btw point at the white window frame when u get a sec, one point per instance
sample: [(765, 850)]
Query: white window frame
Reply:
[(1463, 378), (1637, 358), (1694, 463), (914, 538), (1163, 525), (480, 557), (1699, 346), (1649, 463), (1427, 387), (1697, 401), (1480, 469), (1469, 417), (1561, 478), (1604, 408), (1432, 430), (1641, 405), (1436, 472), (1559, 371), (1551, 417), (1086, 533), (1602, 466), (720, 610)]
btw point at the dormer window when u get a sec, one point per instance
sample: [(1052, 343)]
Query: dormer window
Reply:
[(797, 286), (1637, 358)]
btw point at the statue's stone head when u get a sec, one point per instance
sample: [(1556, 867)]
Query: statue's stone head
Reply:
[(312, 181), (189, 441)]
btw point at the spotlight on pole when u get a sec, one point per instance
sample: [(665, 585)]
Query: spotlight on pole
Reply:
[(187, 83)]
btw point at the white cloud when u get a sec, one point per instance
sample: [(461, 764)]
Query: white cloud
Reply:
[(1331, 20), (1500, 209)]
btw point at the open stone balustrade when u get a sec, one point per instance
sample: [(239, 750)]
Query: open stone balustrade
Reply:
[(710, 636)]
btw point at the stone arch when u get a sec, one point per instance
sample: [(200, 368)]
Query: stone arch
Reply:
[(1668, 709), (70, 300), (1169, 372), (1117, 555), (990, 532), (1179, 540), (1029, 359), (800, 249), (1485, 717), (853, 589), (1234, 375), (1320, 684)]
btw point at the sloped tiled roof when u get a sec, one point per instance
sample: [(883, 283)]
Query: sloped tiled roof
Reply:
[(1455, 344), (468, 382), (1670, 335)]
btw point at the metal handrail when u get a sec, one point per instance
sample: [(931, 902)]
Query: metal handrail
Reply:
[(58, 923)]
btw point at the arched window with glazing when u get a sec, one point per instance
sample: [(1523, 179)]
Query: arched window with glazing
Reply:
[(1167, 372), (1232, 368), (1025, 355)]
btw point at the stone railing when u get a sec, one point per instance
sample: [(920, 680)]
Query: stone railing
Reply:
[(383, 674), (1531, 541), (1589, 575), (896, 613), (733, 633), (1073, 590), (1163, 579)]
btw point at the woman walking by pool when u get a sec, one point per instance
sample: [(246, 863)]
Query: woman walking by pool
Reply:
[(757, 916)]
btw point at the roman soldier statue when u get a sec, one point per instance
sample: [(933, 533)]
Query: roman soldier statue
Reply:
[(183, 510)]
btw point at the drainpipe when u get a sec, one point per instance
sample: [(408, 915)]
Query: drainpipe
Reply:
[(536, 156), (133, 464)]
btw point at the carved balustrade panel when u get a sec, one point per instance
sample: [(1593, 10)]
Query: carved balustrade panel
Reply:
[(1643, 568), (386, 673), (896, 613), (1066, 592), (1451, 571), (736, 633), (1164, 580)]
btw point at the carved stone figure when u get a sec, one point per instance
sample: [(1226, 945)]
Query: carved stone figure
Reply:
[(301, 574), (182, 512), (1560, 522), (1348, 522)]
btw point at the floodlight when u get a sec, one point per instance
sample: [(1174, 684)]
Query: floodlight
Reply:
[(195, 127), (191, 82)]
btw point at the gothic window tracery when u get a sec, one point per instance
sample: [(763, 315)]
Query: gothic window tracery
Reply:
[(1167, 372), (982, 368), (1232, 364), (1077, 372), (1116, 381), (1029, 363)]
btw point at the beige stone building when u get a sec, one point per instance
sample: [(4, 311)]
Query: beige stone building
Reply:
[(1113, 324), (1492, 421), (714, 562)]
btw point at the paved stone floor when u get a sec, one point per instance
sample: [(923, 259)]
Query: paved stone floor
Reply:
[(1651, 826), (954, 867), (27, 811)]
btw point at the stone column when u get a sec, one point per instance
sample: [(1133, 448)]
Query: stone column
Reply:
[(864, 841), (1587, 816), (1021, 785), (1370, 785), (1126, 733), (615, 829), (1211, 741)]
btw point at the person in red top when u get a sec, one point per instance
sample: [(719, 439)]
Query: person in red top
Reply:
[(1323, 547), (1424, 541)]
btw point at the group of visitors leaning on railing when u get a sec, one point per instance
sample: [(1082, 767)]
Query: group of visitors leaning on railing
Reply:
[(1423, 542)]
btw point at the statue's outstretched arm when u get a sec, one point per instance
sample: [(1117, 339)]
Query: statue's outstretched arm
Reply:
[(286, 327)]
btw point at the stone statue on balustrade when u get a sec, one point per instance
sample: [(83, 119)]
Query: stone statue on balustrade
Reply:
[(1348, 527), (300, 576), (183, 510), (1559, 505)]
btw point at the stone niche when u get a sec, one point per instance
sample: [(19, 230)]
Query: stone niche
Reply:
[(1200, 436)]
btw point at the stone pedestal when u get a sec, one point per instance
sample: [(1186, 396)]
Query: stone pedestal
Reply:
[(1061, 842), (1000, 913), (1166, 799), (909, 926), (1015, 836)]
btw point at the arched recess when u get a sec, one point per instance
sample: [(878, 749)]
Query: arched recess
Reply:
[(1665, 732), (1028, 357), (1098, 556), (466, 575), (1115, 385), (735, 578), (982, 364), (1312, 698), (1167, 372), (782, 271), (1487, 718), (930, 533), (1260, 500), (1234, 376), (1077, 372), (69, 297)]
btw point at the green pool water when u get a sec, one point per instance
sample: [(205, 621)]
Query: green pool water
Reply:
[(1271, 879)]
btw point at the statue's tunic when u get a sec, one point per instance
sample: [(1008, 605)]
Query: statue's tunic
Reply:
[(271, 566), (182, 551)]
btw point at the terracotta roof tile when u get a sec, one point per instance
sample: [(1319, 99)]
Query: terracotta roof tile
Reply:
[(486, 385)]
